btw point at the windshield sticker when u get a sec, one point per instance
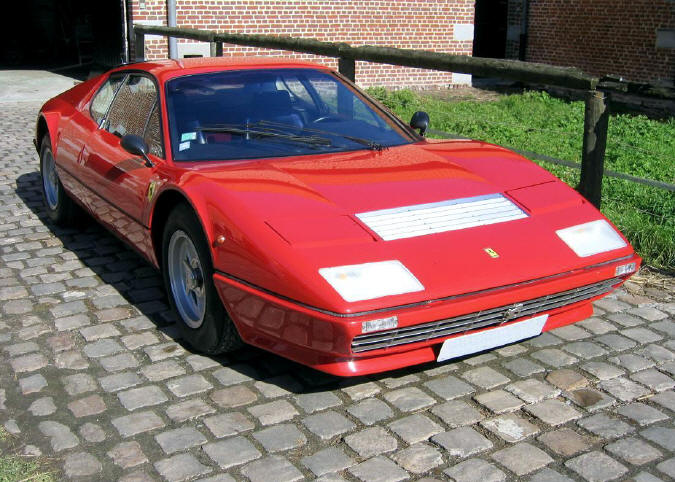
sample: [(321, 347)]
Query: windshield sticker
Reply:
[(183, 146), (188, 136)]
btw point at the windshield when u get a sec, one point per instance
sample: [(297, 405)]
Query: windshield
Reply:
[(248, 114)]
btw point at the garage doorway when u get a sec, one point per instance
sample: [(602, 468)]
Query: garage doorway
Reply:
[(490, 26)]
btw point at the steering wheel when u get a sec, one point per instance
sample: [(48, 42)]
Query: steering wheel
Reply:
[(327, 118)]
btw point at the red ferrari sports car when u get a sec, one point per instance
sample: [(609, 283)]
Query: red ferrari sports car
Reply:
[(288, 210)]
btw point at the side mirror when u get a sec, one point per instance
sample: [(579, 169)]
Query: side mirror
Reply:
[(420, 121), (137, 146)]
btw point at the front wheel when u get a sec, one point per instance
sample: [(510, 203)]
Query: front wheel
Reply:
[(60, 208), (188, 277)]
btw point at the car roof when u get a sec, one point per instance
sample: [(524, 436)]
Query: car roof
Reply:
[(178, 67)]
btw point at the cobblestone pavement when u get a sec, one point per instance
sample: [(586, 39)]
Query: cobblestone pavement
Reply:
[(93, 379)]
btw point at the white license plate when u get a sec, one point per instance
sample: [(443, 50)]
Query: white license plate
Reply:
[(492, 338)]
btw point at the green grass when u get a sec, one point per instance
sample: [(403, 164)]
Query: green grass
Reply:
[(537, 122), (14, 468)]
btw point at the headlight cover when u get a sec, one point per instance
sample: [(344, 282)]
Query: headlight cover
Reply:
[(358, 282), (591, 238)]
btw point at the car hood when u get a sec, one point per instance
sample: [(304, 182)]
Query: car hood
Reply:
[(303, 214)]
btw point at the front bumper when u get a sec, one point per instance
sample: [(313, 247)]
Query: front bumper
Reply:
[(333, 342)]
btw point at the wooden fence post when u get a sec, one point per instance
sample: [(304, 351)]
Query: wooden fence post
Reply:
[(596, 121), (216, 49), (139, 45), (347, 67)]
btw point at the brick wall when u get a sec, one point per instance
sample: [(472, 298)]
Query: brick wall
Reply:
[(600, 36), (438, 25)]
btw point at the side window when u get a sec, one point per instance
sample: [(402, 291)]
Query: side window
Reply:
[(104, 97), (135, 111)]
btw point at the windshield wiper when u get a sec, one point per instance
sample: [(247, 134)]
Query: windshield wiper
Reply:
[(247, 131), (372, 145)]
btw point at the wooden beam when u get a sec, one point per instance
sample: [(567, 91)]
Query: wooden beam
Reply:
[(596, 122)]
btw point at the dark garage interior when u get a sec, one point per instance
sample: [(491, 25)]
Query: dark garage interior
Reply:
[(78, 35)]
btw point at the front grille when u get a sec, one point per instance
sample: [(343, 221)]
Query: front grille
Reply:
[(480, 319), (422, 219)]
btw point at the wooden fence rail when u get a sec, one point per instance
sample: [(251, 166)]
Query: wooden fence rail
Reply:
[(596, 118)]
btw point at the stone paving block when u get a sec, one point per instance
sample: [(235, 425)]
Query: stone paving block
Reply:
[(549, 475), (278, 386), (616, 342), (127, 454), (189, 410), (32, 384), (642, 335), (662, 436), (273, 412), (371, 441), (567, 379), (231, 452), (164, 351), (553, 412), (462, 442), (665, 399), (226, 424), (201, 362), (362, 390), (654, 379), (61, 342), (28, 363), (642, 414), (325, 461), (42, 407), (81, 464), (449, 387), (71, 322), (648, 313), (532, 390), (116, 363), (668, 467), (283, 470), (634, 451), (60, 436), (473, 470), (585, 349), (188, 385), (571, 333), (498, 401), (409, 399), (96, 332), (631, 362), (522, 458), (418, 458), (511, 350), (605, 427), (136, 398), (485, 377), (553, 357), (162, 370), (602, 370), (92, 432), (79, 384), (623, 389), (415, 428), (625, 320), (370, 411), (401, 380), (611, 305), (596, 466), (180, 439), (597, 326), (456, 413), (101, 348), (327, 425), (119, 381), (523, 367), (139, 422), (590, 399), (280, 437), (665, 326), (181, 467), (475, 360), (235, 396), (71, 360), (657, 353), (315, 402), (510, 427), (87, 406), (544, 340), (565, 442), (378, 469), (233, 375), (21, 348)]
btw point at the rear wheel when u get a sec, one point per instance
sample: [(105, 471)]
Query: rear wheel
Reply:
[(60, 208), (188, 277)]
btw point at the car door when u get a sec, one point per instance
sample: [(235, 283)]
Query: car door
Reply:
[(121, 180)]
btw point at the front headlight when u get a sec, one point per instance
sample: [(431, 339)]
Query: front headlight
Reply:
[(367, 281), (591, 238)]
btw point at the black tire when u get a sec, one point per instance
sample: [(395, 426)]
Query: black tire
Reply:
[(216, 332), (58, 205)]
